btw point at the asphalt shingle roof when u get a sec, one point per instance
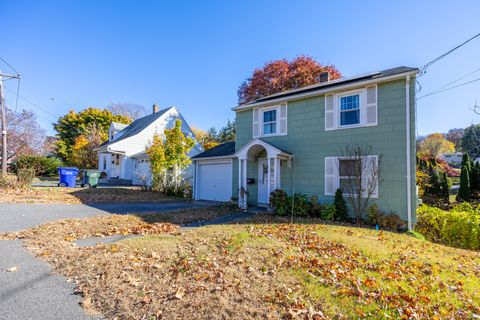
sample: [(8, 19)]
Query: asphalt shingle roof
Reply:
[(334, 83), (137, 126), (224, 149)]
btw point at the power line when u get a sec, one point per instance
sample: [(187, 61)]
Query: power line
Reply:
[(450, 83), (450, 88), (34, 104), (9, 66), (423, 70)]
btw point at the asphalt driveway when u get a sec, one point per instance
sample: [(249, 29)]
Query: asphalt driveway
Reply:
[(33, 291)]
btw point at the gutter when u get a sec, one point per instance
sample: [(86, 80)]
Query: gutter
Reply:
[(408, 176), (323, 91)]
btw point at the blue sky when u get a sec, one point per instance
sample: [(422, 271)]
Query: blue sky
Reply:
[(194, 54)]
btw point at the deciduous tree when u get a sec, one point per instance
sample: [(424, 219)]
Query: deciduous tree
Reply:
[(83, 150), (455, 136), (130, 110), (168, 155), (73, 125), (281, 75), (434, 145), (25, 136)]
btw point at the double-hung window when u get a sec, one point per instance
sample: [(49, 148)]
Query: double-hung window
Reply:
[(349, 172), (270, 122), (349, 110)]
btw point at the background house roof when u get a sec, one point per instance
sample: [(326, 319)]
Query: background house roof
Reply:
[(334, 83), (137, 126), (222, 150)]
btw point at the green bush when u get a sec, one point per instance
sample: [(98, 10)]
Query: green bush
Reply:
[(279, 202), (328, 212), (301, 204), (391, 221), (25, 177), (340, 206), (459, 227), (42, 166)]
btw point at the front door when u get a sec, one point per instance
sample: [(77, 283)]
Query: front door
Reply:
[(262, 182)]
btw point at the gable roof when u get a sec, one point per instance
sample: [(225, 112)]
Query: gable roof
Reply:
[(119, 126), (329, 85), (222, 150), (137, 126)]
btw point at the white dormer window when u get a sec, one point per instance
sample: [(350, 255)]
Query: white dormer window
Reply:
[(270, 121)]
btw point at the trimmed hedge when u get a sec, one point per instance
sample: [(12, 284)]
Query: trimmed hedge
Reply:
[(459, 227)]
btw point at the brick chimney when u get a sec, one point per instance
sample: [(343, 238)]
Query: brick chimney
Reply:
[(155, 108), (324, 77)]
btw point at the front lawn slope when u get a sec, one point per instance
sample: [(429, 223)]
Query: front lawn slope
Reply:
[(264, 270)]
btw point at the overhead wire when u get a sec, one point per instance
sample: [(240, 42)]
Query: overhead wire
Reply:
[(450, 88), (423, 70)]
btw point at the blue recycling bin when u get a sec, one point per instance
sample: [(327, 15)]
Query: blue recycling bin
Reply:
[(68, 177)]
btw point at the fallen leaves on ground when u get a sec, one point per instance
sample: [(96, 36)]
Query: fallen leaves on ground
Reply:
[(78, 195), (260, 270)]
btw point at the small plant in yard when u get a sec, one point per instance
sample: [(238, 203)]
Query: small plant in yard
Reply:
[(328, 212), (279, 202), (340, 206), (377, 217)]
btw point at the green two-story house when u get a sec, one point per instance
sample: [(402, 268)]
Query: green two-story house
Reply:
[(293, 141)]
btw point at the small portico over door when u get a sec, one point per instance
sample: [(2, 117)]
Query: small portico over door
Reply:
[(269, 176)]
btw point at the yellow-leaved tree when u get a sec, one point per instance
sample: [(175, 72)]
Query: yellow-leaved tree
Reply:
[(83, 153), (434, 145), (168, 156)]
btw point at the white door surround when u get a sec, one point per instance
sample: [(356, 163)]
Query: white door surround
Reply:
[(249, 153)]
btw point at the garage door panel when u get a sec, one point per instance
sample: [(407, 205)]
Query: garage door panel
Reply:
[(215, 181)]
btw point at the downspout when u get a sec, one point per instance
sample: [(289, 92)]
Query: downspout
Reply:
[(408, 136)]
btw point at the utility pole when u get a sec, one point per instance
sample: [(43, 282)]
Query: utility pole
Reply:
[(4, 122)]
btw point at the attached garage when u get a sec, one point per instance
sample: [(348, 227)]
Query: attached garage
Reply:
[(214, 181), (213, 173)]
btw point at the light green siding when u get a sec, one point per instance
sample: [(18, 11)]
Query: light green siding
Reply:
[(310, 143)]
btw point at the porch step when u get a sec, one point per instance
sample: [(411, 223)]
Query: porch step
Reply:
[(114, 182)]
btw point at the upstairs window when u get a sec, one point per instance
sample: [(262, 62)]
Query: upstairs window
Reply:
[(270, 122), (350, 110)]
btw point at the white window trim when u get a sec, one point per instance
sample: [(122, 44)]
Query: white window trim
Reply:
[(362, 106), (277, 121), (337, 175), (362, 92)]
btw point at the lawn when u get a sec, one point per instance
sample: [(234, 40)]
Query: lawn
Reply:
[(78, 195), (264, 268)]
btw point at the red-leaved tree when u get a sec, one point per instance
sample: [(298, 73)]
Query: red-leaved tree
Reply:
[(281, 75)]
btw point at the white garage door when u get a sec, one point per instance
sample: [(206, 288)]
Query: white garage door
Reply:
[(214, 181)]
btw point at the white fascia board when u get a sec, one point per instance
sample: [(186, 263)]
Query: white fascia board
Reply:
[(323, 91)]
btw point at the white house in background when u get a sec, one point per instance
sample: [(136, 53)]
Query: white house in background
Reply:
[(123, 156), (452, 158)]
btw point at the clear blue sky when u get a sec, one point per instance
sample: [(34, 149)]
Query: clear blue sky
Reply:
[(194, 54)]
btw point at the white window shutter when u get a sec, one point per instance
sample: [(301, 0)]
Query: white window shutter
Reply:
[(283, 118), (369, 178), (330, 112), (371, 110), (330, 176), (256, 123)]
